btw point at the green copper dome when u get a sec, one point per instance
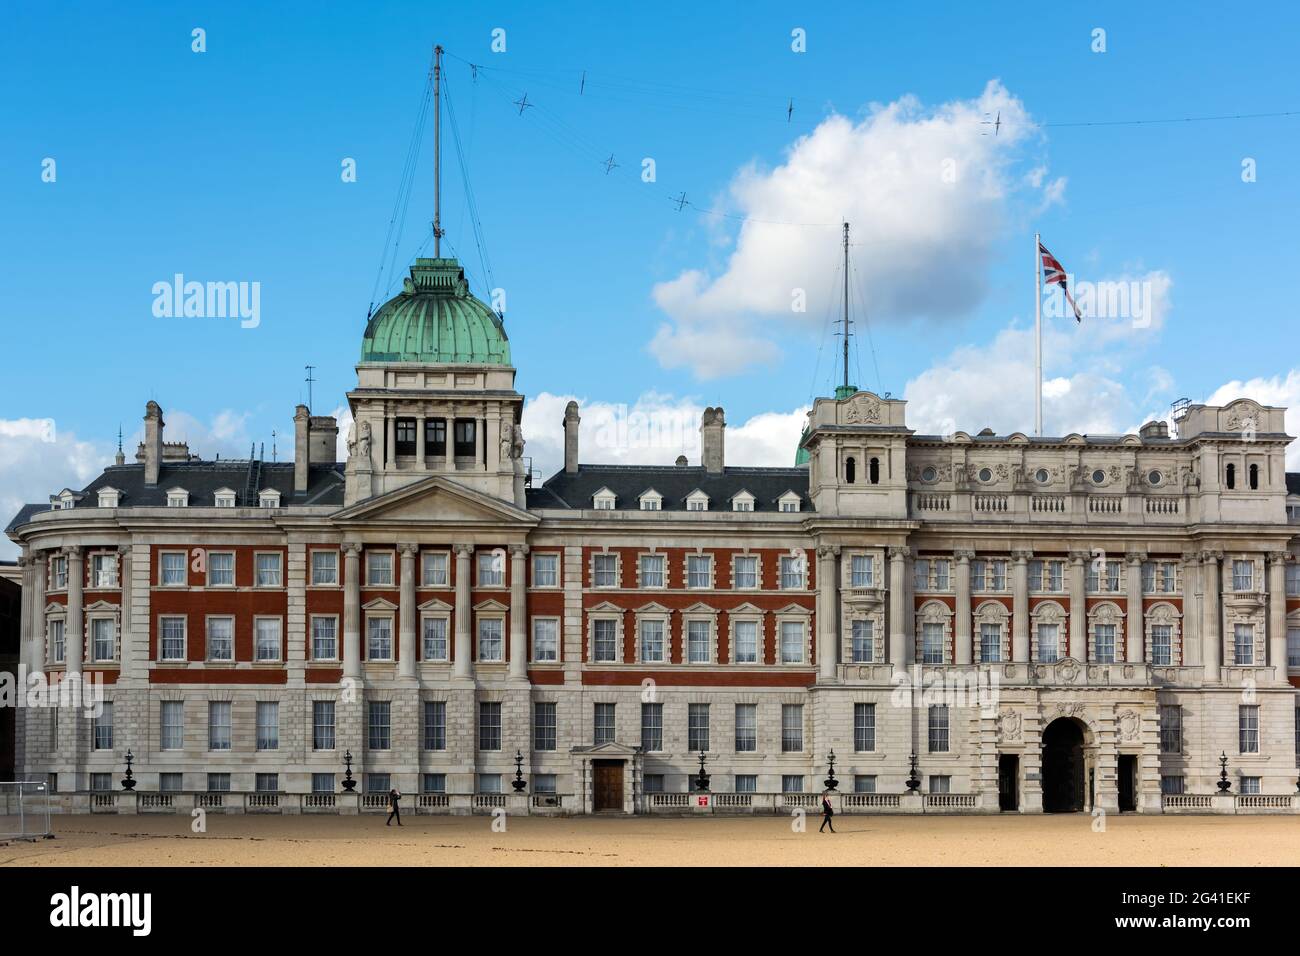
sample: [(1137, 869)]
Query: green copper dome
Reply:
[(435, 319)]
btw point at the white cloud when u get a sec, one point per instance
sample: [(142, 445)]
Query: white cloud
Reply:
[(1280, 391), (886, 174), (38, 460)]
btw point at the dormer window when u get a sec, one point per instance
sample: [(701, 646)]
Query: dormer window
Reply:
[(178, 498), (651, 500), (742, 501), (603, 500), (268, 498), (109, 497), (65, 499), (697, 501), (789, 502), (224, 498)]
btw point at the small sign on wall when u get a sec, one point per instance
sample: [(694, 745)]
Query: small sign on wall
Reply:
[(702, 801)]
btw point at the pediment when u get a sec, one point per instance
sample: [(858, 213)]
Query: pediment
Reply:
[(699, 607), (609, 749), (379, 604), (746, 608), (491, 605), (103, 606), (436, 500), (605, 607), (434, 605)]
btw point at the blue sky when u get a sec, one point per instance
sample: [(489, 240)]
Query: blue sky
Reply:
[(225, 166)]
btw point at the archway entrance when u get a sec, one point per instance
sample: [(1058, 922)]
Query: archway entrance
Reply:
[(1063, 766)]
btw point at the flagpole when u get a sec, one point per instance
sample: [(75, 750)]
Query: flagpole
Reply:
[(1038, 339)]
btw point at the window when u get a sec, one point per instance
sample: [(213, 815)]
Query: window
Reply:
[(546, 570), (435, 437), (1045, 575), (605, 570), (651, 503), (179, 498), (791, 728), (1171, 729), (603, 502), (1162, 644), (873, 471), (746, 783), (1254, 477), (543, 783), (489, 783), (990, 643), (1248, 728), (864, 728), (218, 783), (1148, 577), (792, 572), (379, 724), (222, 498), (324, 638), (789, 504), (268, 725), (103, 639), (434, 638), (171, 725), (792, 642), (921, 574), (267, 783), (699, 570), (266, 644), (221, 639), (379, 638), (654, 783), (379, 569), (1243, 573), (1243, 643), (1049, 643), (491, 643), (544, 723), (652, 641), (101, 737), (863, 641), (546, 640), (404, 433), (464, 434), (938, 726), (791, 783), (940, 783), (1293, 578), (59, 572), (219, 724), (378, 783), (322, 783), (931, 643), (941, 569), (489, 725), (862, 571), (322, 725), (741, 503), (604, 640), (1249, 785), (698, 641), (746, 572), (435, 725), (697, 502), (977, 575), (1293, 647), (997, 575), (58, 647), (1035, 575), (745, 637), (221, 569), (652, 727), (652, 570), (603, 724), (850, 470), (1172, 786), (491, 568), (170, 782), (170, 639), (746, 728), (103, 570), (268, 570), (1104, 643), (433, 569), (324, 568), (864, 783), (697, 727)]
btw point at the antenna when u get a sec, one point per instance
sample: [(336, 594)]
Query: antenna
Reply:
[(273, 458), (309, 368), (846, 309), (437, 153)]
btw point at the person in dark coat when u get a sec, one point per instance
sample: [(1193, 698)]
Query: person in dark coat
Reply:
[(827, 813), (393, 810)]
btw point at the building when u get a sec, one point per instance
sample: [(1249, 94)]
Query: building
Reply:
[(1105, 616)]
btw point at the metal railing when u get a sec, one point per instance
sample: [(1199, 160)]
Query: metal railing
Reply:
[(24, 810)]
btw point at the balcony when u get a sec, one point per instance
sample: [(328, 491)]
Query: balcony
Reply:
[(1030, 507)]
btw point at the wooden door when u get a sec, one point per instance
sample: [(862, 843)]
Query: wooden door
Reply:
[(607, 785)]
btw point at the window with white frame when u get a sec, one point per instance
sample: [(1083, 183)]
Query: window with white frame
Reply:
[(941, 573), (55, 640), (171, 569), (863, 641), (221, 639), (603, 500), (324, 637), (652, 727), (379, 637), (266, 638), (379, 569), (434, 569), (990, 643), (491, 568), (433, 734), (604, 640), (604, 570), (1103, 637), (1243, 575), (322, 725), (651, 501), (171, 638), (652, 570), (1293, 647), (103, 638), (862, 571), (268, 565), (546, 640), (789, 503), (921, 574), (1049, 643), (651, 634), (938, 728), (491, 639), (699, 641), (433, 637), (219, 723), (103, 570), (744, 638), (978, 575), (791, 728), (697, 727), (1045, 575), (1243, 644), (864, 727), (545, 735), (223, 498), (178, 498), (1104, 576), (59, 573), (791, 783), (109, 497), (792, 642), (101, 737), (746, 728), (221, 569), (1292, 579), (697, 501), (268, 725), (603, 724), (1248, 728), (268, 498), (744, 572), (1171, 728), (171, 725), (1162, 644), (932, 642), (324, 568), (379, 724), (546, 570), (742, 502), (793, 572), (699, 571)]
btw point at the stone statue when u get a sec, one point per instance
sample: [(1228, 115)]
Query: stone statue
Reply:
[(507, 442), (517, 448), (359, 442)]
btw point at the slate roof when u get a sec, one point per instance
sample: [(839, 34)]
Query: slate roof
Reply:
[(1293, 483), (767, 485)]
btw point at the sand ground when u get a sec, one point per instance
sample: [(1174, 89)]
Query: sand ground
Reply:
[(1058, 840)]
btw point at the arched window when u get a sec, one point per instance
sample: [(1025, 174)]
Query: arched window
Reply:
[(1254, 477), (850, 470), (873, 474), (1231, 480)]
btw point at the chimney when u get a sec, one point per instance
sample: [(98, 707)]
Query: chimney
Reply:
[(153, 442), (712, 440), (323, 439), (571, 421), (301, 450)]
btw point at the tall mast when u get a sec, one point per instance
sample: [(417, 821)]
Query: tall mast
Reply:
[(437, 152), (846, 307)]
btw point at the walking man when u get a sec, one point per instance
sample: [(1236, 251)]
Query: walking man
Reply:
[(394, 796), (827, 813)]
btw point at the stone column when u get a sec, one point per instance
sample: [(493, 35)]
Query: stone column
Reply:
[(1020, 606), (1277, 613), (126, 659), (74, 632), (406, 612), (901, 651), (1136, 652), (1077, 638), (33, 650), (461, 665), (962, 625), (1190, 588), (828, 612), (1211, 622), (351, 609), (390, 440), (480, 439), (518, 668), (419, 442)]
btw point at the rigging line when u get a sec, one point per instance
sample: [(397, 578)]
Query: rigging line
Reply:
[(860, 288), (827, 324), (470, 200), (1176, 119)]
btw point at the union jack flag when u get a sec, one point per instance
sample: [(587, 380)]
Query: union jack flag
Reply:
[(1054, 274)]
